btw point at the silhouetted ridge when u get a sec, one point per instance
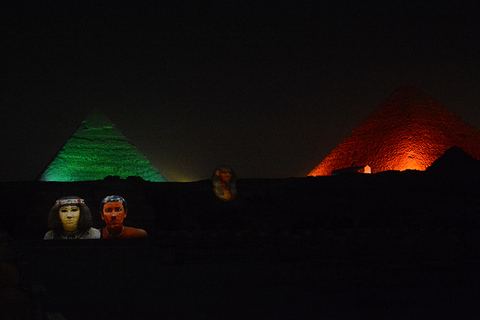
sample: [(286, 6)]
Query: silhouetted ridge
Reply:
[(456, 161)]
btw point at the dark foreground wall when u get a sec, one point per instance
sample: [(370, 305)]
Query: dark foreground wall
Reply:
[(385, 246), (389, 200)]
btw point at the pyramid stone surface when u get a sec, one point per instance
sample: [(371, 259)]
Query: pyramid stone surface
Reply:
[(409, 130), (97, 150)]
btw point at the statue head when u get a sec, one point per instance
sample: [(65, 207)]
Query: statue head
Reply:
[(113, 211), (69, 213), (223, 180)]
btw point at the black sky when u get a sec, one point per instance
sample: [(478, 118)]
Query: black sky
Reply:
[(267, 87)]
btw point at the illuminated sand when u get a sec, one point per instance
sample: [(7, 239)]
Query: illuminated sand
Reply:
[(410, 130)]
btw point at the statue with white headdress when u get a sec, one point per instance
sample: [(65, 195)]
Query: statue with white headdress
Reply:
[(70, 219)]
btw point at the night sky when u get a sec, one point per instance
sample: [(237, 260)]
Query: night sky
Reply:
[(267, 87)]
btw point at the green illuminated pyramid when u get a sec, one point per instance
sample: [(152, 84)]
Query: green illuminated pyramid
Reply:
[(98, 150)]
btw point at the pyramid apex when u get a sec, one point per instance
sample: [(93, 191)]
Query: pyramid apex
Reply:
[(96, 125), (411, 91), (97, 119)]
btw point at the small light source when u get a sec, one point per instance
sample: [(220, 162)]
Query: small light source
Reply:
[(350, 170)]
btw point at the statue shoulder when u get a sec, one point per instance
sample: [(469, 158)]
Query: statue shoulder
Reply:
[(48, 235), (92, 233), (130, 232)]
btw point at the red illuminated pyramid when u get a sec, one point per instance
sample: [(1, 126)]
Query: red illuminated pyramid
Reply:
[(409, 130)]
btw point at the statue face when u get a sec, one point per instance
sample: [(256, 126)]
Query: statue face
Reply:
[(69, 216), (113, 214), (225, 175)]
